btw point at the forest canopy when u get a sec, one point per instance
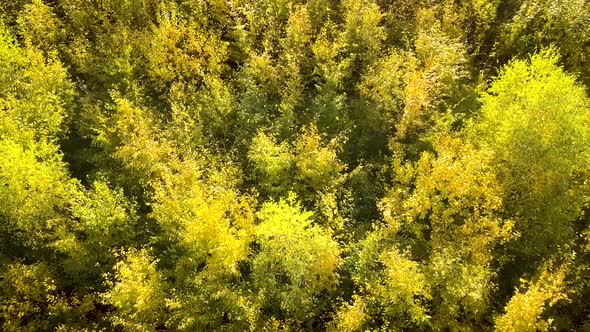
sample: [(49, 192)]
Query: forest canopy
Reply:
[(274, 165)]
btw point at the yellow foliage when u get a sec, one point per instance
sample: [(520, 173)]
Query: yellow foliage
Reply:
[(350, 317), (209, 219), (523, 312), (136, 290), (297, 260), (39, 26), (317, 166), (179, 51), (272, 161)]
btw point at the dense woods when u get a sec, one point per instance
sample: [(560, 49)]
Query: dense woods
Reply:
[(274, 165)]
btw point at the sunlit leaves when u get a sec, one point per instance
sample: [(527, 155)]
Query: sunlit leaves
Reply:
[(136, 292), (393, 289), (524, 310), (317, 165), (314, 164), (34, 189), (451, 216), (211, 221), (384, 85), (224, 165), (130, 137), (535, 120), (105, 214), (35, 93), (296, 262), (39, 26), (179, 51)]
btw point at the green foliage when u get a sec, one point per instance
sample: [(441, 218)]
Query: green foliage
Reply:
[(296, 263), (384, 86), (308, 166), (30, 297), (523, 312), (40, 27), (361, 31), (105, 221), (540, 23), (354, 165), (131, 139), (450, 216), (136, 292), (105, 216), (35, 189), (392, 290), (534, 119), (272, 161), (35, 93)]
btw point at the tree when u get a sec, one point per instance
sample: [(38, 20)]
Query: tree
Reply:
[(294, 165), (35, 93), (40, 27), (295, 266), (538, 24), (307, 166), (524, 311), (391, 289), (446, 208), (137, 293), (534, 119)]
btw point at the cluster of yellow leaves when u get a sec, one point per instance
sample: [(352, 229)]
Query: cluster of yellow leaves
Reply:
[(450, 211), (454, 190), (39, 26), (136, 291), (199, 212), (210, 220), (296, 262), (33, 192), (34, 93), (131, 136), (361, 31), (307, 166), (178, 51), (23, 288), (432, 75), (523, 312), (534, 120), (393, 290), (350, 317)]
